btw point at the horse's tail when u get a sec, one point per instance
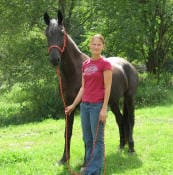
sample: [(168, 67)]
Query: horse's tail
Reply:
[(128, 104)]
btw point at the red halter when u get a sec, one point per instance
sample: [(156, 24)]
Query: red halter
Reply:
[(59, 48)]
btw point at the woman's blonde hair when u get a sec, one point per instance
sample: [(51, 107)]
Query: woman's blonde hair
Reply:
[(99, 36)]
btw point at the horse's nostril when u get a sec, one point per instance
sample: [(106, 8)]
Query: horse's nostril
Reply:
[(54, 61)]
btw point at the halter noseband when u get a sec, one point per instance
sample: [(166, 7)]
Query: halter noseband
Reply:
[(57, 47)]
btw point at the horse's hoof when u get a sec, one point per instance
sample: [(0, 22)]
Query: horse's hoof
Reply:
[(131, 151), (61, 162), (120, 148)]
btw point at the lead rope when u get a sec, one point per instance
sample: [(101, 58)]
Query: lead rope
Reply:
[(95, 139), (94, 145), (66, 117)]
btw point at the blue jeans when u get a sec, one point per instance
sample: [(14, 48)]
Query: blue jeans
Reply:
[(89, 119)]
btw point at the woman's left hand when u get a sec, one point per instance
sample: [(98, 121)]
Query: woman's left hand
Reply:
[(103, 114)]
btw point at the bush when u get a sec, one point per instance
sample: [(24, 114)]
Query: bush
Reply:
[(152, 91), (30, 102), (37, 100), (45, 99)]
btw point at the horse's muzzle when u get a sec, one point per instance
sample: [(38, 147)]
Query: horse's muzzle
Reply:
[(54, 61)]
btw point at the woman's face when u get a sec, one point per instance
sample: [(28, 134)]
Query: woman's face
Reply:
[(96, 46)]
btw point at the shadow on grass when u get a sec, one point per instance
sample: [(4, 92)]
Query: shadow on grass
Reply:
[(17, 120), (25, 118), (118, 162), (121, 162)]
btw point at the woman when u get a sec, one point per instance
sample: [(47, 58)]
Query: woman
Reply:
[(94, 94)]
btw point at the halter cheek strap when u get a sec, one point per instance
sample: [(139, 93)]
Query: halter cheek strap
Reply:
[(59, 48)]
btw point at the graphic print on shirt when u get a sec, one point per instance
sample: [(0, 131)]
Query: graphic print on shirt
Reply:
[(91, 69)]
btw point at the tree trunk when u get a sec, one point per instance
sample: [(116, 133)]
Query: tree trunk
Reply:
[(151, 62)]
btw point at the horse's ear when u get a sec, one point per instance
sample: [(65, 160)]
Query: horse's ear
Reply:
[(46, 18), (60, 18)]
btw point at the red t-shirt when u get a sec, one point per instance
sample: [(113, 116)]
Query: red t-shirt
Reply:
[(94, 80)]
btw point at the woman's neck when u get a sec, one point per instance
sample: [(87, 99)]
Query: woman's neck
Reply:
[(95, 57)]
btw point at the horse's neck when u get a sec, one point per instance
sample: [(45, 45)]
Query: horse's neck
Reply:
[(73, 56), (72, 60), (76, 49)]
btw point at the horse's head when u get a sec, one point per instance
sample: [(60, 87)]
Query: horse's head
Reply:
[(56, 37)]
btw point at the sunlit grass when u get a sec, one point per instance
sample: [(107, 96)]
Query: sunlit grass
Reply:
[(35, 148)]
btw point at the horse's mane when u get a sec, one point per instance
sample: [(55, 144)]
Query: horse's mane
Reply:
[(71, 40), (84, 56)]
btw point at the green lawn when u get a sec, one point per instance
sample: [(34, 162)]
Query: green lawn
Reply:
[(33, 149)]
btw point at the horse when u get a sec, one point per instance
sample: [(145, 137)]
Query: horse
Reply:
[(65, 55)]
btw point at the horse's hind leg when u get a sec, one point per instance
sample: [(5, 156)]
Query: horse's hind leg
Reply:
[(119, 119), (128, 115)]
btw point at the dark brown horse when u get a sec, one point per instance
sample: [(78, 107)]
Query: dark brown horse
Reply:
[(65, 54)]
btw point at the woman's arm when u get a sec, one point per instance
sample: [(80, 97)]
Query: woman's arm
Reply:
[(107, 85), (77, 100)]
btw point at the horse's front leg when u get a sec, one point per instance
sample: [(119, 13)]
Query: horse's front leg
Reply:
[(67, 135)]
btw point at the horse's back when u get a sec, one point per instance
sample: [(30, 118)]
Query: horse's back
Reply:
[(124, 77)]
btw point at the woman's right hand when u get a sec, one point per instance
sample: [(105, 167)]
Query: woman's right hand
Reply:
[(69, 109)]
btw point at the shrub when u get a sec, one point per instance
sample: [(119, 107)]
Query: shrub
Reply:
[(30, 102), (151, 90), (37, 100)]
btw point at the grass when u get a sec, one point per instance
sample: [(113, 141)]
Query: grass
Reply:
[(33, 149)]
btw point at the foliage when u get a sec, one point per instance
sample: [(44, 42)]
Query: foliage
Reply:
[(152, 91), (138, 30), (157, 20), (27, 102)]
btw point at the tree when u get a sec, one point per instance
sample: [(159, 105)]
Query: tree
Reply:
[(158, 22), (140, 30)]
